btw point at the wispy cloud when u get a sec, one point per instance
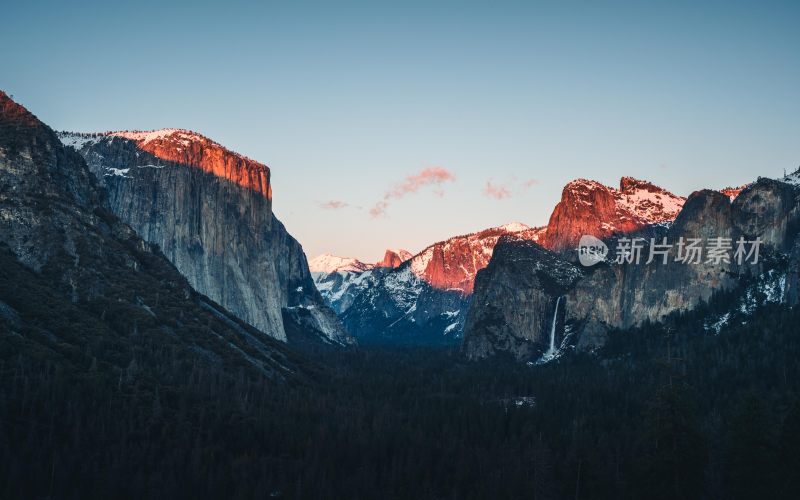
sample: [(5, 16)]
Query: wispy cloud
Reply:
[(333, 205), (431, 176), (530, 183), (496, 191)]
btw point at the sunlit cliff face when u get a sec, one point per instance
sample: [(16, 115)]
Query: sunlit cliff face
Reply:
[(189, 148), (453, 264), (588, 207)]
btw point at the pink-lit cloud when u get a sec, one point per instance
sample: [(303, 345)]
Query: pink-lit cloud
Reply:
[(431, 176), (495, 191), (530, 183), (333, 205)]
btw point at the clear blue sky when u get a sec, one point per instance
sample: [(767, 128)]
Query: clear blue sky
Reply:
[(344, 100)]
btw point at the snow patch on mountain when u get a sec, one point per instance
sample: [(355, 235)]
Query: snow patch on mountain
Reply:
[(793, 178), (184, 136), (117, 172), (327, 263), (77, 140), (515, 227), (768, 288), (652, 206)]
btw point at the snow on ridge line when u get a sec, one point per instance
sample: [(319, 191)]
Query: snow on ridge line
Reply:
[(76, 140), (401, 252), (184, 137), (152, 135), (515, 227), (327, 263), (652, 206), (511, 227)]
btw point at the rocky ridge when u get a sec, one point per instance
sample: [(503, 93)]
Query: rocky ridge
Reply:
[(589, 207), (512, 311), (425, 298), (210, 212)]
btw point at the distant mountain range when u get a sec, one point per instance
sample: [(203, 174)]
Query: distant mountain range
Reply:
[(328, 263), (512, 288), (427, 297)]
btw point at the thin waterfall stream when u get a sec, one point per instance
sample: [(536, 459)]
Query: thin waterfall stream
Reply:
[(551, 351)]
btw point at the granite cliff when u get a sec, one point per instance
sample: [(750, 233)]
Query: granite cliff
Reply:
[(588, 207), (210, 212), (79, 287)]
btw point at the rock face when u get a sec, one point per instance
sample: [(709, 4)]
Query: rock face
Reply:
[(452, 264), (425, 298), (97, 286), (399, 306), (190, 148), (210, 212), (393, 258), (513, 304), (588, 207)]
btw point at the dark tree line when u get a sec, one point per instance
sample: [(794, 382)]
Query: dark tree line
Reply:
[(667, 411)]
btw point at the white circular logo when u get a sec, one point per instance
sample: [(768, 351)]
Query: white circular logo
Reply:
[(591, 250)]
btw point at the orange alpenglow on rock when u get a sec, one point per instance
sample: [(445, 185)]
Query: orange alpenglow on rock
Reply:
[(732, 192), (190, 148), (393, 258), (589, 207), (452, 264)]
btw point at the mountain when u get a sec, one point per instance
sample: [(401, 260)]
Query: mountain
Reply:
[(393, 258), (340, 279), (556, 302), (588, 207), (209, 210), (82, 291), (426, 297), (452, 264), (327, 263)]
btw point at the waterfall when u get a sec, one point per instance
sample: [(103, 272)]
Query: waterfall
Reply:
[(551, 352)]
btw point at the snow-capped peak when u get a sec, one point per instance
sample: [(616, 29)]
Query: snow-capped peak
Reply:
[(327, 263), (648, 201), (635, 198), (514, 227)]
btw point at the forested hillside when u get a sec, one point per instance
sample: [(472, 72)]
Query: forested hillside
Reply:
[(671, 411)]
